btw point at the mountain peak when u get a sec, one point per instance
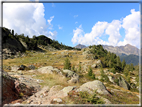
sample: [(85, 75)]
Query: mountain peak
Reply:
[(80, 46)]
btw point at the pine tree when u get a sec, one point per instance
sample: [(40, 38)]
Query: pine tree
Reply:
[(67, 64), (123, 64)]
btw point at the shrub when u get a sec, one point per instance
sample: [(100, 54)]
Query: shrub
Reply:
[(67, 64), (90, 71)]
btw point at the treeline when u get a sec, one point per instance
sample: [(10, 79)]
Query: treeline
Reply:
[(33, 42)]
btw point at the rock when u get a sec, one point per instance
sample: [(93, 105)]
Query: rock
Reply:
[(94, 85), (74, 78), (22, 67), (32, 67), (104, 99), (99, 64), (68, 73), (64, 92), (47, 69), (123, 83), (14, 68), (57, 100), (90, 57), (111, 79), (94, 66)]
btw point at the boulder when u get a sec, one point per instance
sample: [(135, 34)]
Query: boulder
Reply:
[(68, 73), (94, 85), (123, 83), (99, 64), (111, 79), (94, 66), (22, 67), (14, 68), (48, 69), (64, 92), (32, 67)]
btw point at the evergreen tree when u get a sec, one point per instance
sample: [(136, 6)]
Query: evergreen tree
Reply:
[(123, 64), (67, 64)]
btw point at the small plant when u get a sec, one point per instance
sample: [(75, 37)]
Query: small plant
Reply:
[(79, 69), (90, 73), (21, 94), (67, 64)]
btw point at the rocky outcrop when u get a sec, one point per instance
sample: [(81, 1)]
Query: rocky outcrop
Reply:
[(14, 88)]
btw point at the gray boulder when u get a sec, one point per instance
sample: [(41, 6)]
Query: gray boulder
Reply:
[(99, 64), (48, 69), (94, 85), (14, 68), (94, 66), (32, 67), (68, 73), (123, 83)]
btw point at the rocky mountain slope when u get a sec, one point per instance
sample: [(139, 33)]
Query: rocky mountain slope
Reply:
[(88, 76), (119, 50)]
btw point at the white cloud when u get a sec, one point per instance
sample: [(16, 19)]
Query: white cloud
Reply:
[(89, 38), (27, 18), (75, 16), (49, 20), (113, 31), (131, 25), (76, 22), (60, 27)]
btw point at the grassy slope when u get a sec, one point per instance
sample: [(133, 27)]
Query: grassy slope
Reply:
[(56, 60)]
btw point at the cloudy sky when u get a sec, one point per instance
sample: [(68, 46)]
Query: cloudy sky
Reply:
[(115, 24)]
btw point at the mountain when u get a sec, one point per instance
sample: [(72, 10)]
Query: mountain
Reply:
[(130, 59), (79, 46), (119, 50)]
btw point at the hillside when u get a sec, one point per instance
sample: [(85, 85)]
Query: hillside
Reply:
[(13, 45), (130, 59), (68, 76)]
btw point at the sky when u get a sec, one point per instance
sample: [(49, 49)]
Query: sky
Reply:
[(115, 24)]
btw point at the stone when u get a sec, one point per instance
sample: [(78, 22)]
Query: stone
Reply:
[(58, 100), (14, 68), (47, 69), (22, 67), (32, 67), (69, 73), (99, 64), (94, 66), (123, 83), (111, 79), (64, 92), (95, 85)]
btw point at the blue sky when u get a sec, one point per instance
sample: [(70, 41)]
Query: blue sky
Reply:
[(73, 23)]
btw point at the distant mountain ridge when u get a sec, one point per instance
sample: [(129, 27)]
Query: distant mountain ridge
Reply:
[(119, 50), (79, 46)]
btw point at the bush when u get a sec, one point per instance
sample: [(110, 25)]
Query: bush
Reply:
[(90, 71), (67, 64)]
